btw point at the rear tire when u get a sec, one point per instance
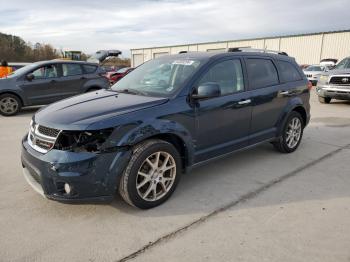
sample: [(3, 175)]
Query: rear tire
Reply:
[(324, 100), (10, 105), (292, 134), (151, 175)]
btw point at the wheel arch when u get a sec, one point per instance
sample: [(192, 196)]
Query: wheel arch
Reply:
[(293, 105), (15, 94), (169, 131)]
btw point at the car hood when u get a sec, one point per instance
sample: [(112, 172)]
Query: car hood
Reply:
[(79, 112), (4, 82), (338, 72)]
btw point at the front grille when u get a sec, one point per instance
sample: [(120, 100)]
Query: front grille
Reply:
[(48, 131), (308, 75), (340, 80), (42, 138)]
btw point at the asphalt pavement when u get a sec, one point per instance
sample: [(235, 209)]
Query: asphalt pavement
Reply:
[(255, 205)]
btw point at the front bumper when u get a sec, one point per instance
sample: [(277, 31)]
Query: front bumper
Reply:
[(332, 91), (92, 177)]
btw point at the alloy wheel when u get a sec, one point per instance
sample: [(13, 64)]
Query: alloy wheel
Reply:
[(8, 105), (293, 132), (156, 176)]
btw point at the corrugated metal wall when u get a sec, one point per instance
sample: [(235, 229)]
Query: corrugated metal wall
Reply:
[(307, 49)]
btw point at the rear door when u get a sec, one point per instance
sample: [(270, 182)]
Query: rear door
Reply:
[(223, 122), (39, 90), (71, 81), (269, 96)]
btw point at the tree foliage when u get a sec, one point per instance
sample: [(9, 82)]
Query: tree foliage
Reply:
[(15, 49)]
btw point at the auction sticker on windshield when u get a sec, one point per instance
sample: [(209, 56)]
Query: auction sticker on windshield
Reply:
[(183, 62)]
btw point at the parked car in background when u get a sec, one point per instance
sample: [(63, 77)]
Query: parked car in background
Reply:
[(329, 62), (335, 83), (313, 72), (140, 136), (17, 65), (46, 82), (114, 77)]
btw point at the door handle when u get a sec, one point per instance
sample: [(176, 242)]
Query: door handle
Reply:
[(244, 102), (53, 81), (82, 78), (284, 93)]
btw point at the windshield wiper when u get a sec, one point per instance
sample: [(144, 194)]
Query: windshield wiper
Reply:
[(132, 91)]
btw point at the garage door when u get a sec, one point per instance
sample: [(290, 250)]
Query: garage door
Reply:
[(137, 59), (156, 55)]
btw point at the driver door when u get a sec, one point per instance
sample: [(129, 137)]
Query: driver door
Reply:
[(39, 90), (223, 123)]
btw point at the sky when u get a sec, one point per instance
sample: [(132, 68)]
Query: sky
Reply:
[(112, 24)]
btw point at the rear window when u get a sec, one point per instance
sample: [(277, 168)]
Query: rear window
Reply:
[(288, 72), (89, 68), (262, 73)]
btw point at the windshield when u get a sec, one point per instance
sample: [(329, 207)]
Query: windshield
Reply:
[(314, 68), (343, 64), (159, 77), (22, 70)]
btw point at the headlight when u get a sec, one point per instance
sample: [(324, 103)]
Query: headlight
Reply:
[(85, 141), (324, 78)]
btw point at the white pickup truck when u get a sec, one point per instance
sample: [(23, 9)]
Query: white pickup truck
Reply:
[(335, 83)]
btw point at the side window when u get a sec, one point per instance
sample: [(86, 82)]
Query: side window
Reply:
[(71, 69), (48, 71), (228, 74), (89, 69), (261, 72), (288, 71)]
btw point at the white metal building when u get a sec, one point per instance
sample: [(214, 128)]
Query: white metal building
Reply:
[(306, 48)]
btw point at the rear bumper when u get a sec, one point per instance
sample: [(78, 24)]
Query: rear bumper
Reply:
[(92, 177), (337, 92)]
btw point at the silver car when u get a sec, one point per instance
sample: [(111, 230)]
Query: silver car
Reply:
[(313, 72)]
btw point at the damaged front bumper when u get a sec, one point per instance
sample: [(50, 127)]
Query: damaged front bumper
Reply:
[(91, 176)]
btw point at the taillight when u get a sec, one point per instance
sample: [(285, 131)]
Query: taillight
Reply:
[(309, 85)]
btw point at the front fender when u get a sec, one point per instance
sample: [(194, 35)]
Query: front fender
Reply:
[(131, 134), (17, 92)]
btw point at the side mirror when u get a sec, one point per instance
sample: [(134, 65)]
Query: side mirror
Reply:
[(207, 90), (30, 77)]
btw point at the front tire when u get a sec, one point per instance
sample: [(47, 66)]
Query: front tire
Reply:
[(324, 100), (292, 134), (9, 105), (152, 174)]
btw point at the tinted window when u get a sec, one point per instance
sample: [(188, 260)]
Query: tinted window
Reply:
[(289, 73), (47, 71), (89, 68), (262, 73), (227, 74), (71, 69)]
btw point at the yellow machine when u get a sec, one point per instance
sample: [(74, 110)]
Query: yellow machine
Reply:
[(72, 55)]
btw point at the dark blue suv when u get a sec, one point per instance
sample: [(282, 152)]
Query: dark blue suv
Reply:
[(164, 118)]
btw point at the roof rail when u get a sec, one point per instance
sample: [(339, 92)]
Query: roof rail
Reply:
[(248, 49)]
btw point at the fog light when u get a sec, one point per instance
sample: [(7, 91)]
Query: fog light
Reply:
[(67, 188)]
